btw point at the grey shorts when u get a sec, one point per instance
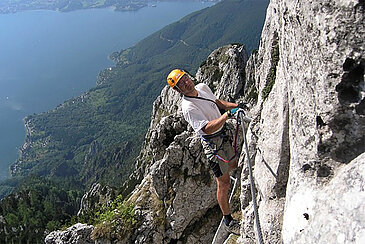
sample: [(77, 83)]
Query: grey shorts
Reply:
[(225, 147)]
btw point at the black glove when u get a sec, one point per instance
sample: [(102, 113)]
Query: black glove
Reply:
[(242, 105)]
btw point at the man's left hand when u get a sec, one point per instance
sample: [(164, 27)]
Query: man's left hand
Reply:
[(242, 105)]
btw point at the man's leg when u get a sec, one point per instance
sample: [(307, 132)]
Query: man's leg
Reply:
[(223, 184)]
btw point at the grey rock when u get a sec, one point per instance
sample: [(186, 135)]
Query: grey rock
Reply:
[(224, 71), (94, 148), (180, 177), (308, 127), (306, 140), (332, 213), (2, 219), (155, 143), (96, 197), (76, 234)]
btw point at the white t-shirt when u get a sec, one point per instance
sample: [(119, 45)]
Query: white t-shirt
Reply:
[(199, 112)]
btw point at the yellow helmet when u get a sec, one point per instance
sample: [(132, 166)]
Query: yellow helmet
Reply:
[(175, 76)]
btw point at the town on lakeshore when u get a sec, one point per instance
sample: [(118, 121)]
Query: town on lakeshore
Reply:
[(9, 6)]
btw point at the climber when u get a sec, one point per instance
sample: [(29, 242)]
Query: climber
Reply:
[(201, 110)]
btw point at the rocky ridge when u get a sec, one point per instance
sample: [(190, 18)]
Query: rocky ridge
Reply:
[(172, 170), (175, 169), (306, 88)]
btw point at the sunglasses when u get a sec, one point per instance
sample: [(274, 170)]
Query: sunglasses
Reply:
[(183, 80)]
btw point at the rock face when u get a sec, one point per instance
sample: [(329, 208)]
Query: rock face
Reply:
[(308, 127), (224, 72), (96, 197)]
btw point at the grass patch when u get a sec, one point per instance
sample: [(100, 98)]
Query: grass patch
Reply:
[(117, 222)]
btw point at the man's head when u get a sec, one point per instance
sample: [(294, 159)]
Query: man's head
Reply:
[(174, 77), (180, 81)]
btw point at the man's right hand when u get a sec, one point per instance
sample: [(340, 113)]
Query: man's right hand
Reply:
[(232, 111)]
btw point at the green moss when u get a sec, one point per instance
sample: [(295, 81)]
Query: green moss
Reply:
[(160, 216), (232, 239), (160, 114), (217, 75), (271, 76), (267, 89), (224, 58)]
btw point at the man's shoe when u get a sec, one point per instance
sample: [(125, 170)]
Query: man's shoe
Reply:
[(233, 227)]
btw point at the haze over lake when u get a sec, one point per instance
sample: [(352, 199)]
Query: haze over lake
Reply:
[(47, 57)]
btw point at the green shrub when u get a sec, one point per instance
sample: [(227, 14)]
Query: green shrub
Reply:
[(116, 222)]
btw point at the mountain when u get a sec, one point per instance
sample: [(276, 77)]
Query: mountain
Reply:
[(305, 86), (96, 137), (115, 114)]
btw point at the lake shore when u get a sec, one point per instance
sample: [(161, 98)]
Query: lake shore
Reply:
[(67, 6)]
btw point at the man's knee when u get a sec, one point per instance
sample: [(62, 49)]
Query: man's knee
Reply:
[(233, 165), (223, 183)]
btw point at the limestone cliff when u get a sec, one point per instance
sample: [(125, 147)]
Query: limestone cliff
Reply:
[(307, 137), (305, 86)]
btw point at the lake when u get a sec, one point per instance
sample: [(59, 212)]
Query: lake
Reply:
[(47, 57)]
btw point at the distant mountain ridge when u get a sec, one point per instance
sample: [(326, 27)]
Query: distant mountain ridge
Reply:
[(97, 136)]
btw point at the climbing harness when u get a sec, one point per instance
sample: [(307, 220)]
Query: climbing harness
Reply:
[(207, 138), (221, 235)]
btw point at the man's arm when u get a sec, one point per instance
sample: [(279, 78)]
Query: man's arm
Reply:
[(214, 125), (225, 105)]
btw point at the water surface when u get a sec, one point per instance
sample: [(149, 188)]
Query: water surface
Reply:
[(47, 57)]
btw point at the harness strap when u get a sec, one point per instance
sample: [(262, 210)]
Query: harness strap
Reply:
[(203, 98), (211, 136), (215, 152), (222, 111), (223, 160)]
